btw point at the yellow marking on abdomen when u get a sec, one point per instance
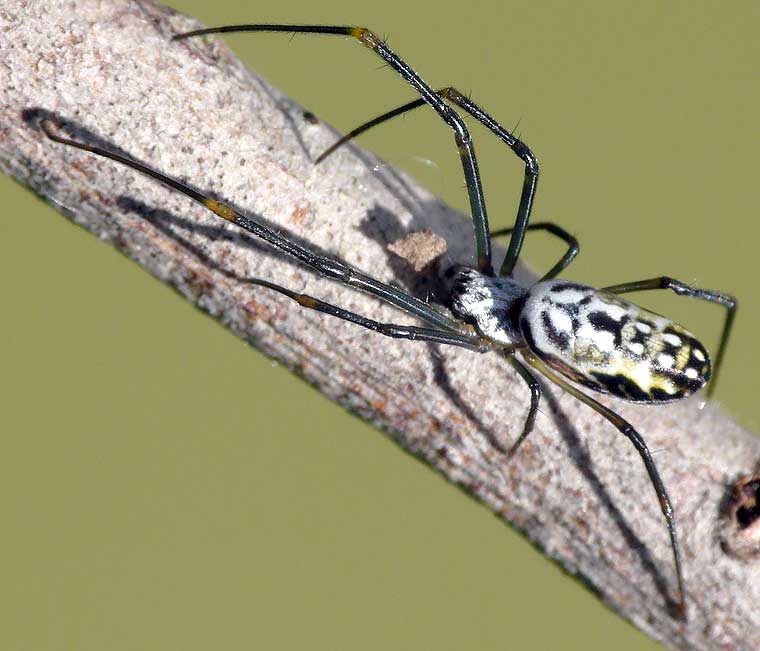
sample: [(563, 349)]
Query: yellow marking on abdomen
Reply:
[(682, 357)]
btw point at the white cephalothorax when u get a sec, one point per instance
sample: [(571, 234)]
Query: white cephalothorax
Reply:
[(488, 303)]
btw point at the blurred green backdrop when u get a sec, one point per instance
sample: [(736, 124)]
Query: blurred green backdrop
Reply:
[(147, 519)]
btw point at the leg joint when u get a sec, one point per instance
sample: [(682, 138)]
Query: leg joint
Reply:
[(535, 388), (461, 133), (366, 36), (451, 93), (524, 152)]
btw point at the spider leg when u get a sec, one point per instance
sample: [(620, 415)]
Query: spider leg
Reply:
[(471, 342), (515, 144), (627, 430), (665, 282), (535, 399), (428, 96), (366, 126), (573, 247), (327, 266)]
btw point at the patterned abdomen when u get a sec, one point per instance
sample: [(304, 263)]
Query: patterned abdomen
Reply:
[(611, 345)]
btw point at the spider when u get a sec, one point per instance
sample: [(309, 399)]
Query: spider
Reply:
[(570, 333)]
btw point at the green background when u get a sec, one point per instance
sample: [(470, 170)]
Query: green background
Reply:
[(141, 513)]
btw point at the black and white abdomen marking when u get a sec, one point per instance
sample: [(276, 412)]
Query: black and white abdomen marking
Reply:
[(611, 345)]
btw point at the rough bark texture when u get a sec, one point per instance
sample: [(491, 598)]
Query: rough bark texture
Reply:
[(192, 110)]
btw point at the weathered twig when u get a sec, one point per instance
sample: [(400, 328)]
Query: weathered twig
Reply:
[(192, 110)]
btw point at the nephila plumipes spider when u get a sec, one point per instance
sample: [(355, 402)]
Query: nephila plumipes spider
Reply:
[(563, 330)]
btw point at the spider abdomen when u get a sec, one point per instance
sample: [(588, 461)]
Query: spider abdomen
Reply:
[(611, 345)]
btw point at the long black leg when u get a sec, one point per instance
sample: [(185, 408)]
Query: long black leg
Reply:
[(366, 126), (665, 282), (573, 247), (329, 267), (515, 144), (414, 333), (429, 96), (627, 430), (535, 399)]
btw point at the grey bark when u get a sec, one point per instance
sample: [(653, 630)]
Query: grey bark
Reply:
[(192, 110)]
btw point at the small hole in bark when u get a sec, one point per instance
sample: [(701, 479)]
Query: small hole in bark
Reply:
[(740, 536), (748, 510)]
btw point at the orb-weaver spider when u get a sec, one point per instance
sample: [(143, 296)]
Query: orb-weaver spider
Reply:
[(563, 330)]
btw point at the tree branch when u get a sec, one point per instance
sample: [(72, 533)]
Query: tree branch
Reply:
[(193, 111)]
